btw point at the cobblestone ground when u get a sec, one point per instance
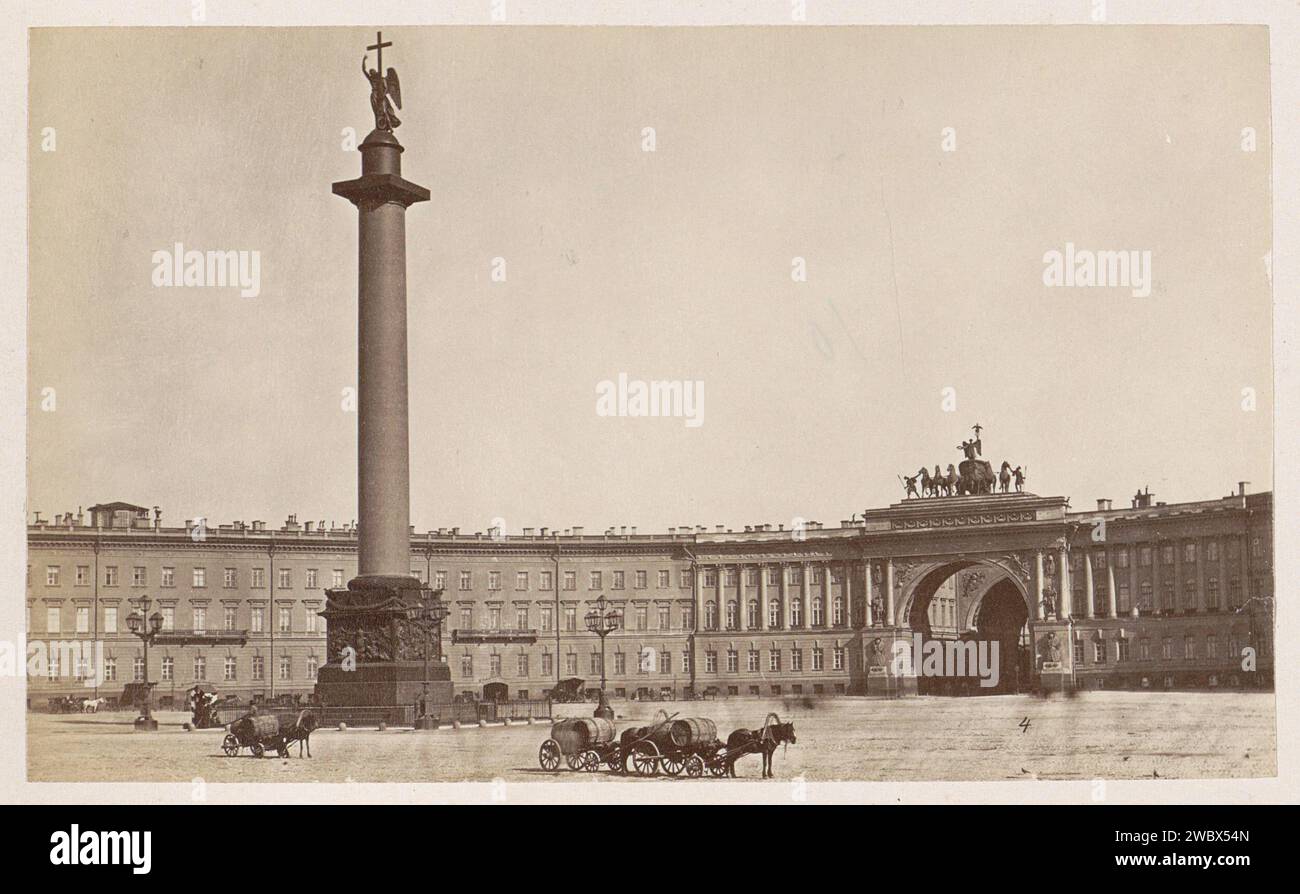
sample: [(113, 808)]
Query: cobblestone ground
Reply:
[(1111, 735)]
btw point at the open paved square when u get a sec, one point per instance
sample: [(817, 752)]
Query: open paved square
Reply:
[(1110, 735)]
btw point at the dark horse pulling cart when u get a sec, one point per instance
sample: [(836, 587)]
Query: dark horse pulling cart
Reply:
[(583, 742)]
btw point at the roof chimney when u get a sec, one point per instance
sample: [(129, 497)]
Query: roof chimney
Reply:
[(1241, 488)]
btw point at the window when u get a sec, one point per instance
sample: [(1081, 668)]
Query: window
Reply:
[(310, 583), (1189, 595), (1211, 646), (1078, 653), (796, 659), (684, 579), (816, 611), (285, 579), (137, 669), (1121, 558), (618, 580), (796, 612), (665, 617), (52, 620), (1144, 556), (773, 614), (200, 615), (259, 667), (1212, 551), (523, 664), (110, 619), (774, 576), (570, 618), (466, 618), (815, 575), (285, 616), (751, 662), (1234, 593), (1167, 554), (521, 617), (1167, 595), (817, 658), (110, 576), (168, 577), (620, 663), (547, 669), (336, 578), (1167, 648), (547, 620), (688, 617), (796, 576), (1189, 552), (1212, 594), (110, 670), (642, 617), (710, 615), (494, 580), (1144, 649), (83, 619), (595, 664), (521, 580), (83, 575), (257, 619), (1189, 648), (664, 580), (751, 614), (837, 612), (571, 663), (751, 577), (731, 615), (1099, 651), (199, 578), (313, 665), (51, 575), (686, 662), (138, 576), (666, 662), (710, 662), (593, 580), (467, 666), (546, 581), (312, 620), (774, 660), (229, 617), (229, 578), (710, 577), (1123, 604), (286, 667), (494, 617), (837, 658), (230, 666), (168, 668), (1144, 596), (466, 579), (733, 661), (169, 617), (1122, 644), (257, 578), (640, 580)]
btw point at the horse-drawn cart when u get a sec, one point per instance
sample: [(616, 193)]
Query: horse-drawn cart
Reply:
[(584, 743), (257, 733), (675, 745)]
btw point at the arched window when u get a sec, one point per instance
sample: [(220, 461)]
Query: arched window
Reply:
[(731, 615), (796, 612), (751, 615), (710, 615), (774, 614), (837, 611), (817, 611)]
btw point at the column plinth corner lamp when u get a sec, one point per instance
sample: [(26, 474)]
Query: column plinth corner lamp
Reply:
[(147, 627), (429, 613), (602, 621)]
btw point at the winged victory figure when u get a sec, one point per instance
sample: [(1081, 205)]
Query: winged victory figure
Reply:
[(381, 88)]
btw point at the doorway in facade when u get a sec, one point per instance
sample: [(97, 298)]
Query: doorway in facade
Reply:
[(1002, 618), (496, 692)]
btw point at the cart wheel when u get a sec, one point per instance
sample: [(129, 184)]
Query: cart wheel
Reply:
[(673, 764), (575, 760), (549, 755), (718, 767), (645, 759), (257, 749), (694, 766), (230, 745), (590, 761), (282, 751), (615, 759)]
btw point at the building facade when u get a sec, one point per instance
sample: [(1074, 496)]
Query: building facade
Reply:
[(1151, 596)]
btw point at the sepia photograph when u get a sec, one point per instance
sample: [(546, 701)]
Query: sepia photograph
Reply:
[(694, 412)]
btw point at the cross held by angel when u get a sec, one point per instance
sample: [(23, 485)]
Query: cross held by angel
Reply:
[(382, 87)]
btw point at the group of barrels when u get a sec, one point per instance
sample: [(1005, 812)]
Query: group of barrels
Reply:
[(674, 745)]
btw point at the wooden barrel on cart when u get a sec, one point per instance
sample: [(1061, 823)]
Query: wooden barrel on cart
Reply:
[(254, 728), (686, 732), (582, 733)]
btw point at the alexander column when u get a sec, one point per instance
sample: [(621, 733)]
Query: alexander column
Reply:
[(382, 628)]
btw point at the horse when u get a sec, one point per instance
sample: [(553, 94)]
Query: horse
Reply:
[(300, 731), (951, 481), (92, 706), (927, 485), (633, 735), (759, 741), (1004, 476)]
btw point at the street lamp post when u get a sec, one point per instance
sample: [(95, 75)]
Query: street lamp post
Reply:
[(146, 627), (430, 613), (602, 621)]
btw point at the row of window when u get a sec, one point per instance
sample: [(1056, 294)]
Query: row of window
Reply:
[(1168, 595), (198, 577), (198, 619), (199, 668), (651, 661), (639, 617), (1211, 550), (1102, 650)]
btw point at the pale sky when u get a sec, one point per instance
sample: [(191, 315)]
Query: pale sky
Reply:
[(924, 266)]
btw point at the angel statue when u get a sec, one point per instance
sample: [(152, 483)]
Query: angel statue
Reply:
[(381, 88)]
